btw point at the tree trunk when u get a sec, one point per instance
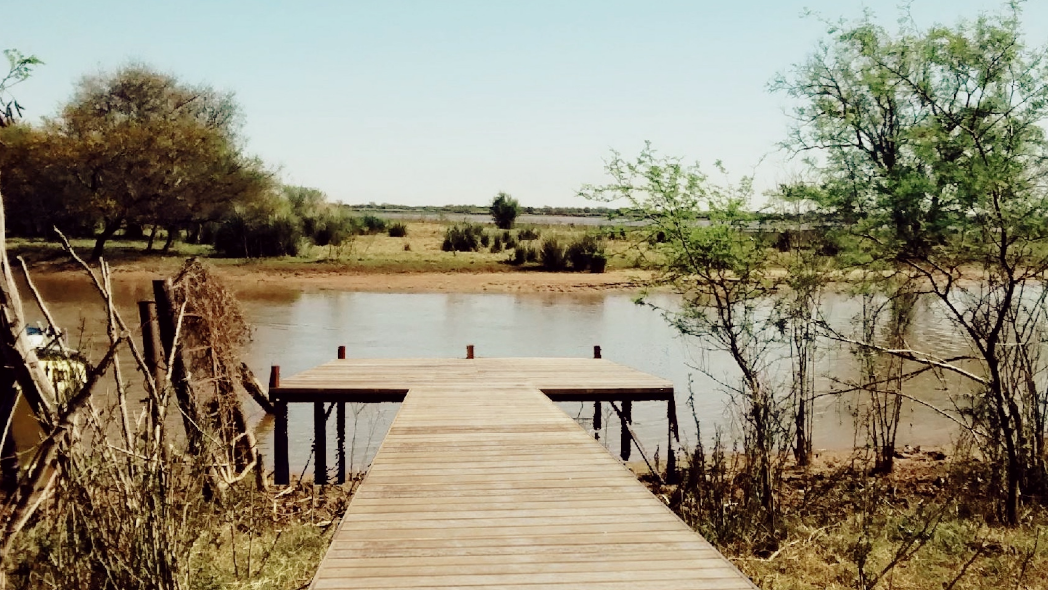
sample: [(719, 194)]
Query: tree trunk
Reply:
[(152, 238), (108, 231), (172, 233)]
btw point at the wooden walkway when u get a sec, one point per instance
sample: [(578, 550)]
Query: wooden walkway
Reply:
[(482, 482)]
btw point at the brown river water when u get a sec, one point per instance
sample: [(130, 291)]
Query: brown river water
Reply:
[(299, 329)]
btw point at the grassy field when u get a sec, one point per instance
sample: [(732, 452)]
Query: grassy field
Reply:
[(419, 251)]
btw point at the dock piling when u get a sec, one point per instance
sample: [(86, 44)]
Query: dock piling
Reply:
[(319, 443), (281, 472), (596, 405), (625, 438), (340, 432)]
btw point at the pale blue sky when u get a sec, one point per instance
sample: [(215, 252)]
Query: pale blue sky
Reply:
[(441, 102)]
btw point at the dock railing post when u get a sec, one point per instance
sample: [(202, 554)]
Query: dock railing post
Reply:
[(596, 405), (281, 472), (340, 431), (319, 443)]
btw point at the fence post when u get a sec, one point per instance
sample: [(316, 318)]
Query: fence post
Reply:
[(469, 351)]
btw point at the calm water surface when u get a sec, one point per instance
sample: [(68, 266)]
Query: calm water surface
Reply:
[(301, 329)]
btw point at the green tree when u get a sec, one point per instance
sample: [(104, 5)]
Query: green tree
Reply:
[(138, 146), (932, 143), (19, 68), (504, 210), (705, 251)]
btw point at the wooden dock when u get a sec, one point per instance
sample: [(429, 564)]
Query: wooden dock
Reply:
[(482, 482)]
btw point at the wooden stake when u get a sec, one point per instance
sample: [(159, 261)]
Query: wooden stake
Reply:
[(342, 352), (152, 347), (469, 351)]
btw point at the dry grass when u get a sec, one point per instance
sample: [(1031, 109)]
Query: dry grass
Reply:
[(837, 518)]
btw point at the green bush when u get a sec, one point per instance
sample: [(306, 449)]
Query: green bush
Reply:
[(508, 240), (372, 224), (398, 230), (582, 253), (463, 238), (528, 234), (504, 210), (552, 255), (238, 237)]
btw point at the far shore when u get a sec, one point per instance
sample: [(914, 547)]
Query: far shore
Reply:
[(254, 278)]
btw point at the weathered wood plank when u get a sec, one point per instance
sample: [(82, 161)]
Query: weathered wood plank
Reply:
[(487, 484)]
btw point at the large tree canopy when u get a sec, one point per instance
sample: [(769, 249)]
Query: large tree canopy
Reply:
[(136, 147), (930, 146)]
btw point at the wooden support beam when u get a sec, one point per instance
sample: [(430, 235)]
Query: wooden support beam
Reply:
[(340, 432), (281, 471), (319, 443), (626, 418)]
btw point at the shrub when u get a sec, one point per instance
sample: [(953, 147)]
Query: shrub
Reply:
[(551, 254), (598, 263), (504, 210), (528, 234), (398, 230), (508, 240), (238, 237), (496, 244), (463, 238), (582, 252), (372, 224)]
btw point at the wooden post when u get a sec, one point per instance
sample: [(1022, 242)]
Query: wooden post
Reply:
[(624, 438), (340, 432), (319, 443), (671, 428), (152, 347), (167, 319), (596, 405), (281, 472), (469, 351)]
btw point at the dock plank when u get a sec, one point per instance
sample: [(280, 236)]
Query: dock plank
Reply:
[(482, 482)]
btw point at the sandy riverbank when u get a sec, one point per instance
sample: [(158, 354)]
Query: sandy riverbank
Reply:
[(257, 277)]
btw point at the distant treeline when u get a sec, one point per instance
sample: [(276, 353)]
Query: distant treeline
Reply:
[(607, 212)]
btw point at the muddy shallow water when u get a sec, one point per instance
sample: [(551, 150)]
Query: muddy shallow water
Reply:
[(298, 329)]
